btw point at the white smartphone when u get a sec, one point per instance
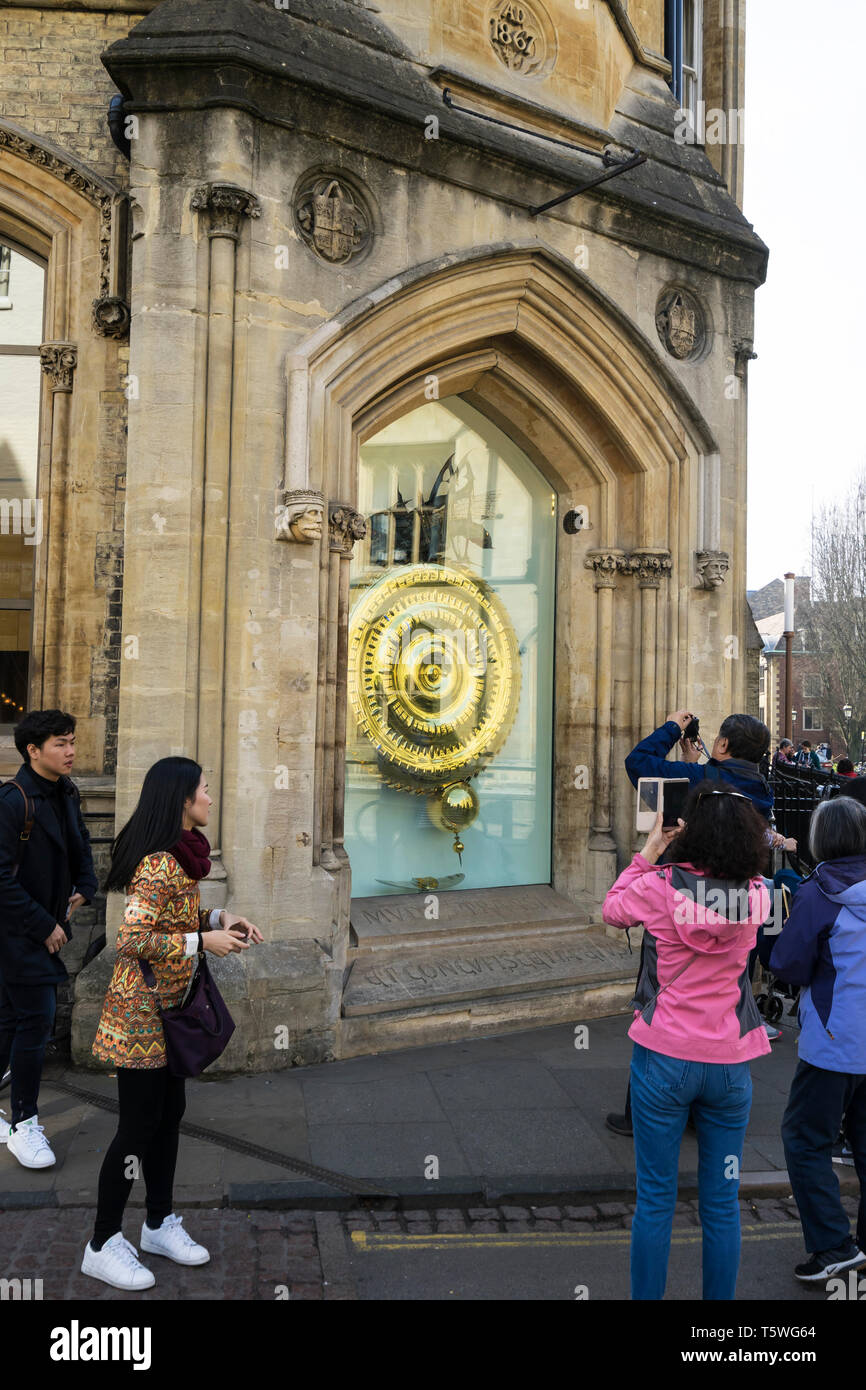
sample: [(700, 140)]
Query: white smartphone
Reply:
[(666, 794)]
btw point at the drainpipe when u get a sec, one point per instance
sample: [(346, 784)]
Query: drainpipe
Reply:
[(116, 124)]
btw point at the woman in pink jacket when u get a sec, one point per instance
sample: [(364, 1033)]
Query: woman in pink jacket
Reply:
[(696, 1025)]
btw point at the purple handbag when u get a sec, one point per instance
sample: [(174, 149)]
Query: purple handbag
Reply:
[(198, 1031)]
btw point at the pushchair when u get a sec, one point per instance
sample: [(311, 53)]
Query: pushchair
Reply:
[(775, 993)]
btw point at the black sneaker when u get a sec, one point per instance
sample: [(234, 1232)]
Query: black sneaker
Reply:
[(844, 1156), (620, 1124), (826, 1263)]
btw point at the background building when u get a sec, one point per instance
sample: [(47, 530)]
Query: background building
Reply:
[(433, 494)]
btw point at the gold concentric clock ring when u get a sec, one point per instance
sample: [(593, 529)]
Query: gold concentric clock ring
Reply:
[(433, 675)]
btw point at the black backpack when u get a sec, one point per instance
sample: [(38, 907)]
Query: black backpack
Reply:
[(28, 821)]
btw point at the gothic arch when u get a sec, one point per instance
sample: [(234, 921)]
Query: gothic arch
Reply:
[(533, 343), (59, 209)]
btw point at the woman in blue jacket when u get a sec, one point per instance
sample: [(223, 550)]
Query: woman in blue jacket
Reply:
[(823, 949)]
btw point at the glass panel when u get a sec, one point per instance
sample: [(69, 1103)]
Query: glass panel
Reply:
[(20, 509), (689, 34), (450, 676)]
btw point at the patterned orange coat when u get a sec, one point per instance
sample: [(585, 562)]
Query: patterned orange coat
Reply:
[(163, 905)]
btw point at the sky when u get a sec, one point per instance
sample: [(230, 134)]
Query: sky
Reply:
[(804, 193)]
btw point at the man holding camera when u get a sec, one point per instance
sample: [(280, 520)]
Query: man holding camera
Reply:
[(740, 744)]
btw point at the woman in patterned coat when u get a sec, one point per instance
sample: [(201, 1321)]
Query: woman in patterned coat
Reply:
[(158, 858)]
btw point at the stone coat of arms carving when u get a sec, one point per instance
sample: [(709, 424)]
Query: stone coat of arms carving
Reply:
[(680, 324), (331, 221)]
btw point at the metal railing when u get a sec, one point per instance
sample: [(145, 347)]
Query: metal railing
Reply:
[(796, 793)]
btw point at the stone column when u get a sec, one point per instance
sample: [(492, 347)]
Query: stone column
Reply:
[(59, 361), (345, 526), (650, 566), (601, 867), (223, 206)]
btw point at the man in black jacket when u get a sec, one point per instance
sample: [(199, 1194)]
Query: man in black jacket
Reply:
[(44, 876)]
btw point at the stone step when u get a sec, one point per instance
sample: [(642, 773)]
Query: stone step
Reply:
[(468, 936), (398, 920), (420, 980)]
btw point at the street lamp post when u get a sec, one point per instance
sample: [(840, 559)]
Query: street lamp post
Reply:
[(846, 713), (788, 635)]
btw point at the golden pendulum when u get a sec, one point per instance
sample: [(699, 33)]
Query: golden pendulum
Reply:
[(455, 808)]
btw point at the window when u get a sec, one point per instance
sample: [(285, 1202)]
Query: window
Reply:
[(813, 719), (5, 269), (812, 687), (684, 50), (450, 658), (692, 55), (20, 509)]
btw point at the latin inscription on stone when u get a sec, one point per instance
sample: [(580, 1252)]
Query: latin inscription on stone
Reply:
[(402, 978)]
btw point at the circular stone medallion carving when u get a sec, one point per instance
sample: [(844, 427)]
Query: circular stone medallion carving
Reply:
[(681, 323), (523, 37), (331, 218)]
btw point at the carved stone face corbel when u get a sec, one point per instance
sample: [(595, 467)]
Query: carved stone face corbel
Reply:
[(712, 566), (345, 526), (300, 516)]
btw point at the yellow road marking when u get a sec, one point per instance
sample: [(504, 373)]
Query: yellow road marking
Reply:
[(367, 1242)]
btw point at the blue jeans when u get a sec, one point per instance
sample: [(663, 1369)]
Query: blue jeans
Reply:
[(26, 1020), (663, 1089)]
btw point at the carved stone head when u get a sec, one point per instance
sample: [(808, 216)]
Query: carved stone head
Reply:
[(712, 565), (300, 516)]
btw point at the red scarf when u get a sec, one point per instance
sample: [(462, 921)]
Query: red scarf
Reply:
[(192, 852)]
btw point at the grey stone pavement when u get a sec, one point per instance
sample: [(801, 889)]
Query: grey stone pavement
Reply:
[(533, 1198), (494, 1119)]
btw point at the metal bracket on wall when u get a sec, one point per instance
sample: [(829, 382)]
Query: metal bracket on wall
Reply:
[(613, 166)]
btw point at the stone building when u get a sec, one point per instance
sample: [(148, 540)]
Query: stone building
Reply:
[(393, 389)]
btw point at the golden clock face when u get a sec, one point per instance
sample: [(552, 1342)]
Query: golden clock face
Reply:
[(434, 675)]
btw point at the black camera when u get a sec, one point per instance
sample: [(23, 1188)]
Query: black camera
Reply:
[(692, 730)]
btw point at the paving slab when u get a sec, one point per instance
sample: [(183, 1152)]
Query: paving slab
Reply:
[(518, 1114)]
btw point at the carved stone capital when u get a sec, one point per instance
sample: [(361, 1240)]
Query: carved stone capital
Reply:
[(225, 204), (300, 516), (650, 566), (345, 526), (111, 316), (606, 564), (712, 566), (59, 361)]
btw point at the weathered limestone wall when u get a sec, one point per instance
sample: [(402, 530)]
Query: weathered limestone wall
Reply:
[(55, 87), (54, 82), (229, 634)]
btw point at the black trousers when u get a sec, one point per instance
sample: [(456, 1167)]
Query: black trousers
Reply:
[(817, 1101), (151, 1104), (26, 1021)]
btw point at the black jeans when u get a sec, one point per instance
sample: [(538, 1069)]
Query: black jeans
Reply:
[(26, 1020), (151, 1103), (810, 1127)]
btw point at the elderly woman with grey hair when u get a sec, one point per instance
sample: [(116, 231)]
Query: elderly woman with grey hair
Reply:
[(823, 949)]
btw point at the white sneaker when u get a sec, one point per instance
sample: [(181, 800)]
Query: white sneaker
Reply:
[(28, 1143), (174, 1242), (117, 1264), (5, 1127)]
